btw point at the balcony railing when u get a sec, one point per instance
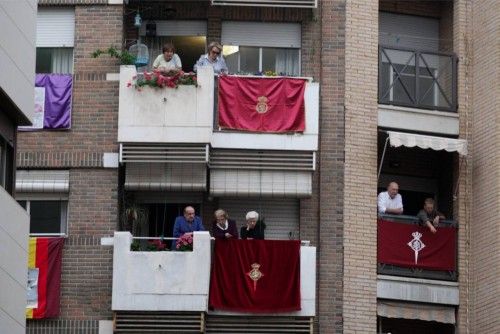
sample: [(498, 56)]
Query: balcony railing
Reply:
[(418, 79), (416, 271), (268, 3)]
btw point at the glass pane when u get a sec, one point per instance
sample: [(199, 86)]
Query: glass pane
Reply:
[(281, 61), (441, 67), (62, 60), (54, 60), (269, 60), (43, 60), (45, 216), (231, 54), (249, 59)]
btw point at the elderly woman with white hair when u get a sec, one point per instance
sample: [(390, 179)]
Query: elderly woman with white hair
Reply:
[(254, 228), (223, 227)]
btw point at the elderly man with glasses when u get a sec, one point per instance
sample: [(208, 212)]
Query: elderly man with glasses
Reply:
[(213, 58)]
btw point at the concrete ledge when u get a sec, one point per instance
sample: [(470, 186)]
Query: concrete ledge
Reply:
[(421, 120)]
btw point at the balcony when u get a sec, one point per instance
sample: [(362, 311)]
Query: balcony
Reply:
[(182, 115), (417, 90), (185, 116), (418, 270), (179, 281)]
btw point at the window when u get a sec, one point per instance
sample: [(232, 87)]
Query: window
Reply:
[(251, 59), (54, 60), (252, 47), (55, 37), (47, 216)]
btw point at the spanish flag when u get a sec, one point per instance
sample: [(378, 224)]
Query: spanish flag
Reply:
[(44, 277)]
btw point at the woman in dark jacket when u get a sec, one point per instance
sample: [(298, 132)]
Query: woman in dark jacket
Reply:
[(254, 228), (223, 227)]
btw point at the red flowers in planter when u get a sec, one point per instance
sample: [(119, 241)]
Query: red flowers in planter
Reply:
[(157, 79)]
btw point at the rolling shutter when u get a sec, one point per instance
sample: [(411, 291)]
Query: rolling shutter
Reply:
[(281, 215), (276, 35), (55, 27), (409, 31)]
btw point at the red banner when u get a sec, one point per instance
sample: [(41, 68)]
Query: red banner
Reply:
[(256, 276), (415, 246), (262, 104), (44, 277)]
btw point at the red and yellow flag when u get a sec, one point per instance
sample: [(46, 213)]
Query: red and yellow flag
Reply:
[(44, 277)]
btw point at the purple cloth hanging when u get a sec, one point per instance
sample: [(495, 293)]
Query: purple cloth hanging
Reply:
[(58, 97)]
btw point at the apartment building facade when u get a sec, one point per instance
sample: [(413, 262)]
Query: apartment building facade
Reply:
[(385, 79)]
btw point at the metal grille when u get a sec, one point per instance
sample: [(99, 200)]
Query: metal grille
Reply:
[(147, 152), (270, 325), (158, 322), (268, 3), (255, 159)]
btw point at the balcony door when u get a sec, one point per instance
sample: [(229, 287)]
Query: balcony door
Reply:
[(188, 37)]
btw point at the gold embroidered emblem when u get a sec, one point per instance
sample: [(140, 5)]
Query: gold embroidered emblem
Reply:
[(255, 274), (261, 106)]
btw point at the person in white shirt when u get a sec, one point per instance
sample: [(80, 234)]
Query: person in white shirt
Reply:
[(390, 201), (168, 60)]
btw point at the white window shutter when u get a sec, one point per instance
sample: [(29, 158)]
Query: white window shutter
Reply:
[(55, 27), (276, 35)]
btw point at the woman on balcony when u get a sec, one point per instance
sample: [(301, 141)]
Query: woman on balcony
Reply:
[(213, 58), (254, 228), (223, 227), (168, 60)]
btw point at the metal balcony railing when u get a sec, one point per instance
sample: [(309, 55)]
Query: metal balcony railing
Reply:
[(418, 79), (389, 269)]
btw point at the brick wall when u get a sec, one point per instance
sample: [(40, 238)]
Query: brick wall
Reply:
[(331, 163), (484, 227), (93, 198), (360, 187), (463, 205)]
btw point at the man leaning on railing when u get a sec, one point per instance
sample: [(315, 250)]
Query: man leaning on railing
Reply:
[(429, 216), (390, 202)]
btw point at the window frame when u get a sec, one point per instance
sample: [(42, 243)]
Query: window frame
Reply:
[(64, 211), (260, 52)]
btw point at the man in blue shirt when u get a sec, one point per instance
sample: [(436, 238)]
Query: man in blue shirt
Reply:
[(189, 222)]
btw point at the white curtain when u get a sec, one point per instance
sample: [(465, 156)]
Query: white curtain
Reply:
[(287, 61), (62, 60)]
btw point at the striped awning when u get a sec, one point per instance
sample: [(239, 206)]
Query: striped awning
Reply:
[(398, 139), (42, 181), (166, 176), (426, 312)]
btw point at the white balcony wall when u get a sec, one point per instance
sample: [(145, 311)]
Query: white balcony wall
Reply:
[(307, 141), (179, 281), (166, 115), (161, 281), (14, 229)]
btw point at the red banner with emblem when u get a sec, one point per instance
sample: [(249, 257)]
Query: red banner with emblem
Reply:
[(414, 246), (262, 104), (257, 276)]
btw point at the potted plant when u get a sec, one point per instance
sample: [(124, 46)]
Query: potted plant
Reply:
[(125, 57)]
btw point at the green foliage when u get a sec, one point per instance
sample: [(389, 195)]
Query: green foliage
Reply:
[(125, 57)]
